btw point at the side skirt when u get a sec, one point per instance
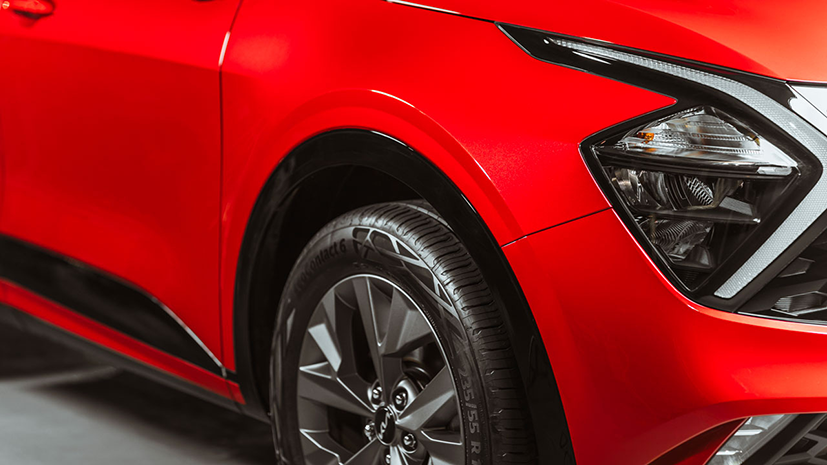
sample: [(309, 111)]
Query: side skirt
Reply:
[(103, 298), (36, 326)]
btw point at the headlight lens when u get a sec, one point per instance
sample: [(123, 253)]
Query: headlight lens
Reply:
[(697, 184), (707, 138)]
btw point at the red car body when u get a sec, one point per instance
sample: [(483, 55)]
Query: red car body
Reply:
[(136, 139)]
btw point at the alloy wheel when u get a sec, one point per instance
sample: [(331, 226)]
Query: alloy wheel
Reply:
[(374, 386)]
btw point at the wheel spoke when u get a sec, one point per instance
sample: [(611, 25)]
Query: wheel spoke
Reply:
[(391, 372), (323, 331), (435, 405), (361, 287), (400, 458), (444, 447), (372, 454), (407, 329), (320, 448), (319, 383), (388, 369)]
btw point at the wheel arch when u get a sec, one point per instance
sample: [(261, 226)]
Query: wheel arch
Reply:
[(372, 167)]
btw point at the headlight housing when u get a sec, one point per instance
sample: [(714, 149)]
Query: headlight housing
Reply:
[(696, 184), (723, 189)]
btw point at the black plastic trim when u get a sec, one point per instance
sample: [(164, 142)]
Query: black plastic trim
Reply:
[(688, 95), (776, 447), (231, 376), (356, 147), (33, 325), (100, 296)]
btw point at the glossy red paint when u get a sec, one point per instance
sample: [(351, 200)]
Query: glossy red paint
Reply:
[(235, 393), (701, 448), (777, 39), (113, 155), (110, 133), (675, 369), (423, 89)]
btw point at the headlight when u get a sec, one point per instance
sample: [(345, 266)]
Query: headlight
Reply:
[(724, 189), (697, 184)]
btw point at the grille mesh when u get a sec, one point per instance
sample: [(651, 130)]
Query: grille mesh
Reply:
[(810, 449), (799, 293)]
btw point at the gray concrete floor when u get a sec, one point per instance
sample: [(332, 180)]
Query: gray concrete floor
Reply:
[(59, 407)]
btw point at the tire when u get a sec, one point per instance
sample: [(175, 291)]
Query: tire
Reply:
[(386, 303)]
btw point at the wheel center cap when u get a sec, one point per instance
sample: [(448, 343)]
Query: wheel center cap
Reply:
[(385, 425)]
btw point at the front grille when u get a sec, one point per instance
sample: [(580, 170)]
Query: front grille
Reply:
[(811, 449), (802, 442), (799, 293)]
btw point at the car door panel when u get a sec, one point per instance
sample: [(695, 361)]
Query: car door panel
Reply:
[(110, 143)]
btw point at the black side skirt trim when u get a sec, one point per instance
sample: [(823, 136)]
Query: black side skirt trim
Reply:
[(101, 297), (33, 325)]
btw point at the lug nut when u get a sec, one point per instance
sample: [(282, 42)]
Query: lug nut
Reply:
[(400, 400), (370, 431), (388, 458), (409, 441), (376, 394)]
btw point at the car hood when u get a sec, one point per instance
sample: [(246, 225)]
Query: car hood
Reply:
[(781, 39)]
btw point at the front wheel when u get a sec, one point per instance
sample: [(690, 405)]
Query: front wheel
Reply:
[(389, 349)]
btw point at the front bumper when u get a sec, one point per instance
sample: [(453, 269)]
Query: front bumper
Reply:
[(640, 368)]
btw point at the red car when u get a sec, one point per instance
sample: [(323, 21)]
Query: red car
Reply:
[(455, 232)]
